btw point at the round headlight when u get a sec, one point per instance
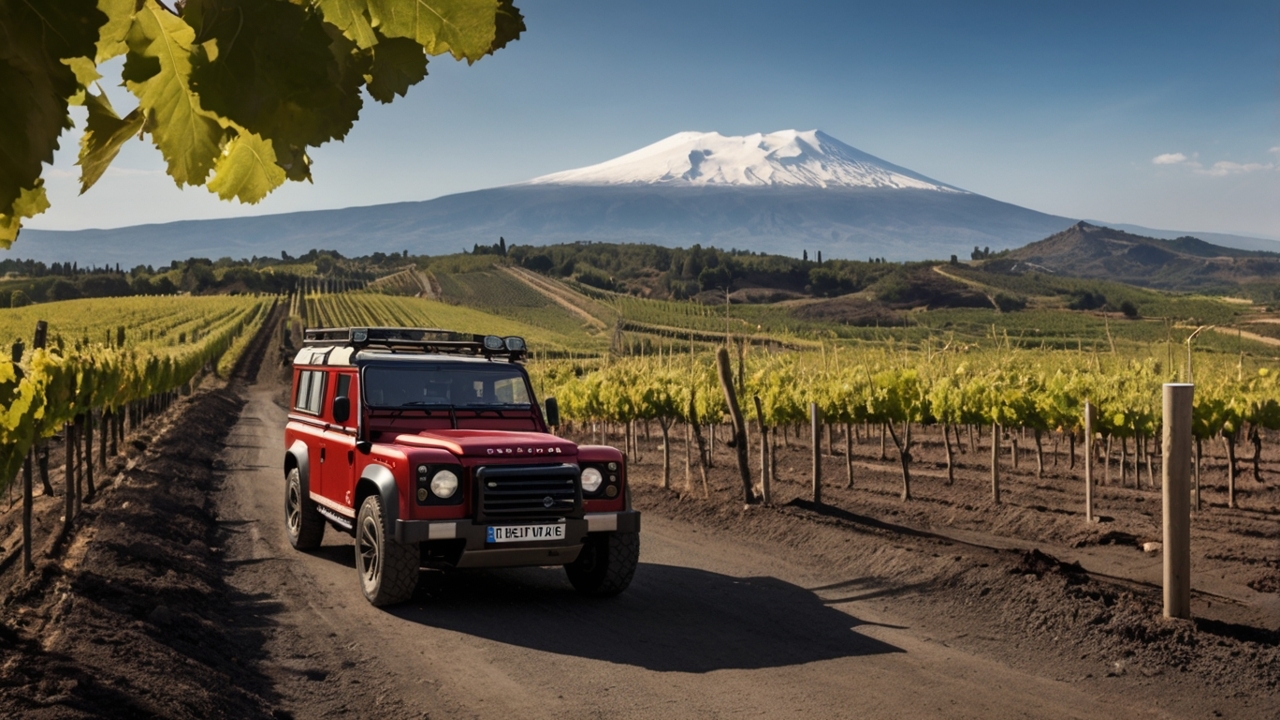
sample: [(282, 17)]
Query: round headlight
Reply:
[(591, 479), (444, 484)]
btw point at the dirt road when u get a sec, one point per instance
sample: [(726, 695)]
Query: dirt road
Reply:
[(713, 626)]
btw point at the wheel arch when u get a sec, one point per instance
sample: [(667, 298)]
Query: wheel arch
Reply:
[(378, 480), (297, 457)]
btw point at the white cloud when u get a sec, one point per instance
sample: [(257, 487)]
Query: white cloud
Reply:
[(1223, 168)]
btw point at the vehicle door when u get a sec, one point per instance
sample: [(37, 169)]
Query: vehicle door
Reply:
[(309, 426), (340, 441)]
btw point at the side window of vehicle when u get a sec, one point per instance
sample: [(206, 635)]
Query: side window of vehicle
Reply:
[(304, 390), (344, 386), (315, 402), (310, 392)]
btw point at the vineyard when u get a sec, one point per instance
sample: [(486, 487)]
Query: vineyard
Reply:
[(343, 309), (943, 455), (103, 360), (1013, 386)]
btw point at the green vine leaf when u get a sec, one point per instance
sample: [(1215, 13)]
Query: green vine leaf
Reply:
[(271, 67), (30, 203), (508, 25), (464, 28), (398, 64), (105, 133), (111, 39), (157, 71), (37, 46), (352, 18), (247, 170)]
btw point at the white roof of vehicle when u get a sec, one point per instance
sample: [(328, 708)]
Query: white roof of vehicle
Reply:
[(347, 357)]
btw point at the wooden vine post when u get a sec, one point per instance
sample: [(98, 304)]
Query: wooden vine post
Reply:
[(995, 463), (42, 331), (766, 477), (815, 426), (848, 453), (739, 424), (1088, 461)]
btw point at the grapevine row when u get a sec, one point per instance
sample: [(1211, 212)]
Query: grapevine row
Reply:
[(1004, 389), (49, 387)]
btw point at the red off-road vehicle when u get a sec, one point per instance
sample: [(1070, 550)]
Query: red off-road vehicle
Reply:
[(428, 447)]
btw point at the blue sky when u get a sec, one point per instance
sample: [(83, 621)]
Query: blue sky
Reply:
[(1159, 114)]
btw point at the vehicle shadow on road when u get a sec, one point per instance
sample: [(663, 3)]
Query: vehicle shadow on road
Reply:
[(671, 619)]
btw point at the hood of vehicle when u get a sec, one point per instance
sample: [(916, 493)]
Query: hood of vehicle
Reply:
[(493, 444)]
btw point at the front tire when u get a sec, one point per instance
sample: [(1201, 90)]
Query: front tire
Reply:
[(388, 570), (606, 564), (301, 519)]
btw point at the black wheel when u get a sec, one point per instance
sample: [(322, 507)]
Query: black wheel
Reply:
[(606, 564), (388, 570), (301, 519)]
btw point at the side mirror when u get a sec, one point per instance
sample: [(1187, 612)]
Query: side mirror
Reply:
[(552, 415), (341, 409)]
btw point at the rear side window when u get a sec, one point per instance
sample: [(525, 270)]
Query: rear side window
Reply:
[(304, 390), (310, 392), (344, 386), (317, 392)]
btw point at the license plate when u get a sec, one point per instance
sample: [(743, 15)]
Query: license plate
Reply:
[(525, 533)]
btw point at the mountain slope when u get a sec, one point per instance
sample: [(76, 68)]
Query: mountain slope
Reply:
[(839, 222), (1090, 251)]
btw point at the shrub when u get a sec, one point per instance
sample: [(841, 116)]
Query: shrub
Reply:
[(1009, 303)]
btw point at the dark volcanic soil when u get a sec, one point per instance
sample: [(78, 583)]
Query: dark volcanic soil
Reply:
[(143, 614), (1026, 580)]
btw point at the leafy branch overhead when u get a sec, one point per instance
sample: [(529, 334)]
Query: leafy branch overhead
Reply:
[(232, 92)]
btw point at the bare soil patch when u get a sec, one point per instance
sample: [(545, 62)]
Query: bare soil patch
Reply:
[(1027, 580)]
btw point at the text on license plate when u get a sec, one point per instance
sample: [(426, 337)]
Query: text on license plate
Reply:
[(525, 533)]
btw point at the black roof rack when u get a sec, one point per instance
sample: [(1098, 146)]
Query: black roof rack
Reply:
[(427, 340)]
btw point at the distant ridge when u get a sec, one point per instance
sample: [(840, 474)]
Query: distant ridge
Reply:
[(1091, 251)]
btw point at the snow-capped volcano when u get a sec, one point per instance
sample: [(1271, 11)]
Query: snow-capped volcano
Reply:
[(784, 158), (784, 192)]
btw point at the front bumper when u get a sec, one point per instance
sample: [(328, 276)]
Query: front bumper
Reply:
[(476, 552)]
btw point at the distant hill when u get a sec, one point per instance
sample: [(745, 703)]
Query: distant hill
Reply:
[(1240, 242), (1091, 251)]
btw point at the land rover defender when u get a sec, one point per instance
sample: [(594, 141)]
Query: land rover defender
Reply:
[(429, 448)]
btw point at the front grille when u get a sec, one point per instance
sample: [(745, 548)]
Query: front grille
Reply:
[(528, 492)]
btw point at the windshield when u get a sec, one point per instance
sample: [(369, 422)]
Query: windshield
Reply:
[(445, 385)]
